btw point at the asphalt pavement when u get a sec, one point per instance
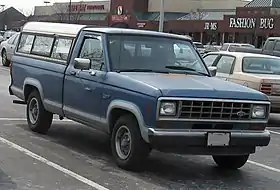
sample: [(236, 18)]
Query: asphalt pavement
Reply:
[(74, 157)]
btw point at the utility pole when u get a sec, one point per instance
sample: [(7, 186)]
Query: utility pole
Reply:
[(70, 7), (161, 16)]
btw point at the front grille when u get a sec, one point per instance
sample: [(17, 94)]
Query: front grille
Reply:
[(201, 109)]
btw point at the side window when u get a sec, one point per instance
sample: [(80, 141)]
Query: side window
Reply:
[(277, 46), (61, 48), (269, 45), (225, 64), (16, 39), (42, 45), (25, 43), (209, 59), (92, 49), (224, 47)]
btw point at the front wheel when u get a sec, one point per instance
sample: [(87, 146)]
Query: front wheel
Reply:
[(39, 120), (231, 162), (128, 147)]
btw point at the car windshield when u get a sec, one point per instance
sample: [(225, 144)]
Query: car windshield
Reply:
[(135, 52), (261, 65)]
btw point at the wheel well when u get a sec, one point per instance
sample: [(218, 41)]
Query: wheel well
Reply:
[(27, 90), (115, 114)]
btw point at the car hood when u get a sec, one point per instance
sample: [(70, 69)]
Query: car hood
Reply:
[(184, 85)]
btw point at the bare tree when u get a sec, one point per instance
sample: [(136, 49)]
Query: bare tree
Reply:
[(27, 12), (62, 11)]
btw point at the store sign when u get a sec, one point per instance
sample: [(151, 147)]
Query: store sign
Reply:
[(141, 24), (120, 18), (250, 23), (86, 7), (119, 10), (210, 26)]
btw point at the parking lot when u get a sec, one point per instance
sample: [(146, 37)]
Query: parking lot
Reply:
[(72, 156)]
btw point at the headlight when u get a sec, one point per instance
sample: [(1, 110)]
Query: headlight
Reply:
[(259, 112), (168, 108)]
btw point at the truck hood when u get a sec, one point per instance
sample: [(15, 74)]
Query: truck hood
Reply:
[(183, 85)]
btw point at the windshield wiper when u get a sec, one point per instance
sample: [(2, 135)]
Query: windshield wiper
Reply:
[(141, 70), (182, 68)]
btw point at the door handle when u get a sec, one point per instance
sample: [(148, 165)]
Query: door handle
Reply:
[(72, 72)]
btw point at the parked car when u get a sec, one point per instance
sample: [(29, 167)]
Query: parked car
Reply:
[(8, 34), (200, 47), (270, 47), (232, 46), (143, 100), (7, 49), (257, 71)]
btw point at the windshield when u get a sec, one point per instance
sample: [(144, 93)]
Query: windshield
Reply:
[(152, 53), (261, 65)]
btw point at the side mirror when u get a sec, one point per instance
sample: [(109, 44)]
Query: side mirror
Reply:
[(181, 51), (213, 70), (83, 64)]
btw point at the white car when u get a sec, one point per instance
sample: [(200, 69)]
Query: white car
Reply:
[(7, 49), (232, 46), (256, 71)]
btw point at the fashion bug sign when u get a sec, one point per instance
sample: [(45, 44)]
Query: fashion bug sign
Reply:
[(250, 23)]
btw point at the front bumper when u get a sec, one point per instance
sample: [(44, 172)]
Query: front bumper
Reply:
[(195, 142)]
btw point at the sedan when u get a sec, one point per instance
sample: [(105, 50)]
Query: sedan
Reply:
[(7, 49), (257, 71)]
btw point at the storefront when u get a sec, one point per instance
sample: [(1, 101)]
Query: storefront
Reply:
[(249, 25)]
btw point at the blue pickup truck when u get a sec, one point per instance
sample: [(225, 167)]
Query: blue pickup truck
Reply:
[(147, 90)]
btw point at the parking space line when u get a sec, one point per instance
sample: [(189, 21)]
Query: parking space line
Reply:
[(274, 132), (264, 166), (24, 119), (53, 165)]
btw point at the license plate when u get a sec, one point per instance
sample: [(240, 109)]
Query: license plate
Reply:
[(218, 139)]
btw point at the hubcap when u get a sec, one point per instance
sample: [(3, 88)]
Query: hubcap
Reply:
[(4, 58), (123, 142), (33, 110)]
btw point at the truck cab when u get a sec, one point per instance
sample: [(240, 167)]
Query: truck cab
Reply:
[(146, 90)]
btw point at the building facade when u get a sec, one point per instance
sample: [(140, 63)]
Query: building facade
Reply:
[(205, 20), (11, 19)]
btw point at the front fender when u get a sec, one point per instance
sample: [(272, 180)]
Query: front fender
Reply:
[(134, 109)]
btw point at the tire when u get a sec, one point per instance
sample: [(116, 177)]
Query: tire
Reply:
[(139, 149), (38, 121), (231, 162), (5, 61)]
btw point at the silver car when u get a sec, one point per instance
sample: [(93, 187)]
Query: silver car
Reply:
[(7, 49)]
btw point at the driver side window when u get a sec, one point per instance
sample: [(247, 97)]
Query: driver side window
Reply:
[(92, 49)]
